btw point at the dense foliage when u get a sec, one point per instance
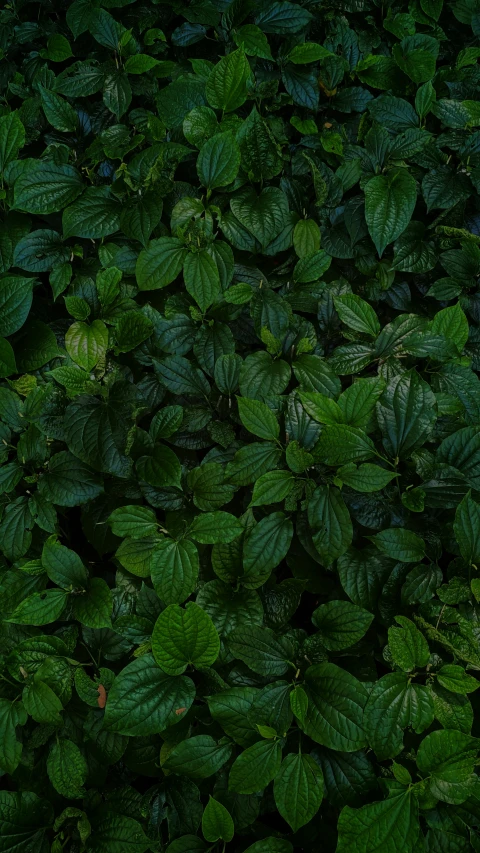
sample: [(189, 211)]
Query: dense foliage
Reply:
[(240, 426)]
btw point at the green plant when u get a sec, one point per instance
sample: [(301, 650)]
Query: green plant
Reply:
[(240, 426)]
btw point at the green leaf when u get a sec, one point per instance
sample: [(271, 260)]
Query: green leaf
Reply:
[(321, 408), (298, 790), (198, 757), (12, 714), (467, 529), (41, 703), (133, 521), (255, 767), (199, 125), (15, 529), (15, 303), (212, 527), (307, 52), (260, 151), (258, 418), (341, 624), (97, 432), (117, 93), (331, 525), (67, 769), (299, 703), (217, 824), (69, 482), (231, 709), (357, 314), (174, 569), (24, 817), (389, 825), (442, 188), (261, 650), (264, 215), (161, 468), (35, 346), (63, 566), (41, 608), (389, 204), (94, 607), (166, 422), (119, 832), (453, 325), (393, 705), (227, 84), (87, 345), (58, 48), (455, 679), (44, 187), (339, 444), (311, 267), (366, 478), (265, 546), (58, 112), (160, 263), (7, 359), (306, 237), (180, 377), (461, 449), (95, 214), (424, 99), (183, 636), (283, 17), (416, 56), (347, 776), (335, 708), (402, 545), (218, 161), (144, 700), (407, 645), (140, 63), (270, 845), (135, 555), (138, 220), (449, 758), (131, 330), (253, 41), (393, 113), (12, 138), (406, 414), (202, 279), (209, 489), (272, 487)]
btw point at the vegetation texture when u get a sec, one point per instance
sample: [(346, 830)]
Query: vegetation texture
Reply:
[(240, 426)]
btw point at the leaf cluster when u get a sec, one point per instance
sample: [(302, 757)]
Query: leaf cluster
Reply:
[(239, 426)]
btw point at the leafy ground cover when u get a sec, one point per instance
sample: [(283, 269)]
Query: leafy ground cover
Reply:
[(240, 426)]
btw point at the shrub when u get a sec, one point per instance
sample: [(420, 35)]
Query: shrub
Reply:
[(240, 426)]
